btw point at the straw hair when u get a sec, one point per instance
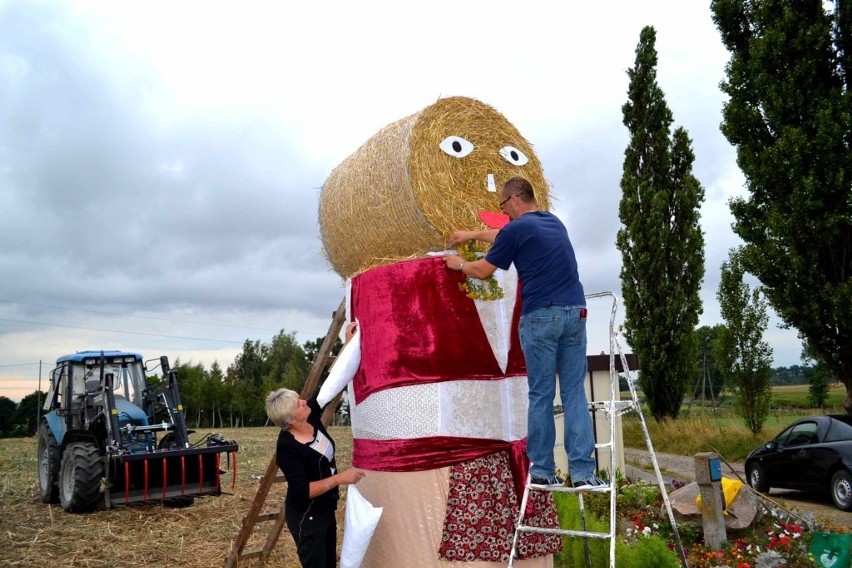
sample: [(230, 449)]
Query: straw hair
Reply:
[(400, 196)]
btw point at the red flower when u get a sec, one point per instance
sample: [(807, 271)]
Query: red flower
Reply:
[(795, 529), (773, 542)]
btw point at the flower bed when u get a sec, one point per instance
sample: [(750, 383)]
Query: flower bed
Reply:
[(768, 543)]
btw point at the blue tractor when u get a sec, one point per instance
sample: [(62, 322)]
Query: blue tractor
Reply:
[(109, 436)]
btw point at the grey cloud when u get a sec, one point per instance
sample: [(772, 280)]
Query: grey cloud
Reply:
[(109, 201)]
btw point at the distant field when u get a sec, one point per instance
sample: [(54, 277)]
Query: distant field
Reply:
[(796, 396), (783, 398)]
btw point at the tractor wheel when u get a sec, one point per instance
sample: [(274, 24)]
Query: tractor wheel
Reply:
[(179, 502), (48, 465), (168, 441), (80, 477)]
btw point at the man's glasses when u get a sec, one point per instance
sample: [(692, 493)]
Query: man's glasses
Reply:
[(502, 203)]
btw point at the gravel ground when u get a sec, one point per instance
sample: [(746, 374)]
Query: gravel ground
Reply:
[(682, 468)]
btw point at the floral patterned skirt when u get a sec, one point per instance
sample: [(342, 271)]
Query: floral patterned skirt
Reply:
[(482, 510)]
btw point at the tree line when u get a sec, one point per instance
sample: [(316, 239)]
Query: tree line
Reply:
[(236, 396)]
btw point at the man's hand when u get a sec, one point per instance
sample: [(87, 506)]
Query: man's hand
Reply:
[(453, 261), (459, 237)]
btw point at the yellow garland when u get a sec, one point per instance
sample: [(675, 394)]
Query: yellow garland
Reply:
[(474, 288)]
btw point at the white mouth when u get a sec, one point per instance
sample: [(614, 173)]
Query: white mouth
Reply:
[(490, 185)]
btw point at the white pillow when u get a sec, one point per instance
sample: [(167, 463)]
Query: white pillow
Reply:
[(358, 527), (344, 368)]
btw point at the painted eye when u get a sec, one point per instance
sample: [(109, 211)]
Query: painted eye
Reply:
[(456, 146), (513, 155)]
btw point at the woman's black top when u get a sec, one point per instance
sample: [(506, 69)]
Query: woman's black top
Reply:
[(301, 465)]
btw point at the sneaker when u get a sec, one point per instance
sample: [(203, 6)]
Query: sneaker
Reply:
[(589, 483), (552, 480)]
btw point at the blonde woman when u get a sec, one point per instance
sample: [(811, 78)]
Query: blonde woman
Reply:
[(305, 455)]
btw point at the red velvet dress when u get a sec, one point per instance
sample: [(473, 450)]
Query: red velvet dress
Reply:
[(442, 383)]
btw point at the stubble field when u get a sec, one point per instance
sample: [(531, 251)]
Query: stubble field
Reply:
[(37, 535)]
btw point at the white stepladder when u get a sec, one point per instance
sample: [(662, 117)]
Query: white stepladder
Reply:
[(614, 407)]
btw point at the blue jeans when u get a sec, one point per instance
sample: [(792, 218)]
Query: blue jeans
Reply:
[(554, 343)]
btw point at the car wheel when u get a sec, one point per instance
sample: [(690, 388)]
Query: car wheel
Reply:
[(841, 490), (757, 478), (48, 465)]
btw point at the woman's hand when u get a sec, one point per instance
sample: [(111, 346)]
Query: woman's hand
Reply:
[(350, 331), (351, 476), (348, 477)]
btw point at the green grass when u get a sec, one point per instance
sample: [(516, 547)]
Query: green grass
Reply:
[(696, 432)]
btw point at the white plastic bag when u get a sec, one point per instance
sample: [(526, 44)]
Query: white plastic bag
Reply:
[(358, 526)]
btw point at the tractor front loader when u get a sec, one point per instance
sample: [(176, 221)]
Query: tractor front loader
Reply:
[(106, 433)]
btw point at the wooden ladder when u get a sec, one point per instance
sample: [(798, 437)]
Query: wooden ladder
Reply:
[(255, 514)]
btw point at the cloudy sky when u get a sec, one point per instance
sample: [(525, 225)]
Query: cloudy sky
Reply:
[(160, 162)]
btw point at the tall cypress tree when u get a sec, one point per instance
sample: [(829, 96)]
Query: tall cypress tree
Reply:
[(661, 242), (790, 117)]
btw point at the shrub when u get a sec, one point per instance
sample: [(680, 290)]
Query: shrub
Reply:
[(642, 550), (646, 551), (574, 550)]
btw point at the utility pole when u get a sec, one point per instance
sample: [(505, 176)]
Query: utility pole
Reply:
[(38, 398)]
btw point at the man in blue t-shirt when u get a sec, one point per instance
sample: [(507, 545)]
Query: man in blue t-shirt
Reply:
[(552, 327)]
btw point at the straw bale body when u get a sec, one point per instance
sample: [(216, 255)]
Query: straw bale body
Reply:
[(403, 192)]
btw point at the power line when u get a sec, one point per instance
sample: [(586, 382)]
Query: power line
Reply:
[(133, 316), (19, 365), (123, 332)]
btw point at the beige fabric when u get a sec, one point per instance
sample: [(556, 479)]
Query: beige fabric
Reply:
[(409, 531)]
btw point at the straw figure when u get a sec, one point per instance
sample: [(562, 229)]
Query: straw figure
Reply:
[(438, 397)]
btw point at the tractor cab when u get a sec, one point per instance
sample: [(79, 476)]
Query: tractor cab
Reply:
[(80, 389)]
